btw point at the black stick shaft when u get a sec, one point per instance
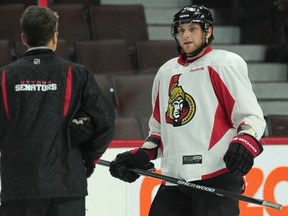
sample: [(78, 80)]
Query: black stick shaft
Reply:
[(215, 191)]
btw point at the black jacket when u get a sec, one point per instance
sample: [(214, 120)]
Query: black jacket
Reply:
[(40, 94)]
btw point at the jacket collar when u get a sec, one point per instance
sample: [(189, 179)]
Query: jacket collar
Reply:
[(38, 50)]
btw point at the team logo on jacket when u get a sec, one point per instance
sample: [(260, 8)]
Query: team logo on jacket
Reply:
[(181, 106), (36, 85)]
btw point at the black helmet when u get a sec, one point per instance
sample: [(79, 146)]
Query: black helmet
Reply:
[(192, 13)]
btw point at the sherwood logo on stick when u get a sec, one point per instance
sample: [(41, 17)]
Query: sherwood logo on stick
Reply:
[(189, 184)]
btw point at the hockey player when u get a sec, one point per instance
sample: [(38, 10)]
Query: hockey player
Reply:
[(205, 126), (44, 101)]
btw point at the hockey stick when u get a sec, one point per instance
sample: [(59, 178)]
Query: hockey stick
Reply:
[(215, 191)]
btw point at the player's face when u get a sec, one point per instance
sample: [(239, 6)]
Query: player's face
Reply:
[(191, 37)]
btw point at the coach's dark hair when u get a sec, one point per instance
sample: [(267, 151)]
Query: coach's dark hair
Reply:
[(38, 25)]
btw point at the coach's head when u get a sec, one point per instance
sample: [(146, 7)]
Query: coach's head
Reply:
[(39, 27)]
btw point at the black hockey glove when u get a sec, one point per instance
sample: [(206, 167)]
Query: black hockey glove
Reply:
[(129, 159), (90, 167), (89, 164), (239, 158), (81, 128)]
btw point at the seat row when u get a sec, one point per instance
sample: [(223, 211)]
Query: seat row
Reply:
[(277, 126), (132, 128), (106, 56), (131, 97), (129, 94), (35, 2), (79, 22)]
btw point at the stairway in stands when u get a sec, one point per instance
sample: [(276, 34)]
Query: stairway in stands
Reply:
[(269, 77)]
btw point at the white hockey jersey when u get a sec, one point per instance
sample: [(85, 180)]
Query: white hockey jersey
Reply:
[(197, 108)]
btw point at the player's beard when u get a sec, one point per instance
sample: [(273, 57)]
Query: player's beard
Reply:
[(197, 51)]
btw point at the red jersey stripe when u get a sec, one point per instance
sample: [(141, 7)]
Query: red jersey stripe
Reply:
[(222, 119), (4, 94), (68, 92)]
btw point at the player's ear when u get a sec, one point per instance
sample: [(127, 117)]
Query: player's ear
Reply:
[(208, 33)]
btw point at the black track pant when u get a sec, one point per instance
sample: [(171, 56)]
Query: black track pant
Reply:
[(183, 201), (44, 207)]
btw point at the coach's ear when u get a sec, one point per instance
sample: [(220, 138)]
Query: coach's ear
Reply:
[(54, 41), (24, 41)]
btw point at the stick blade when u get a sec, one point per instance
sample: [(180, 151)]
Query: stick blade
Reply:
[(272, 205)]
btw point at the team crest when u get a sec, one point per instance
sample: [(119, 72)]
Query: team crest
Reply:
[(181, 106)]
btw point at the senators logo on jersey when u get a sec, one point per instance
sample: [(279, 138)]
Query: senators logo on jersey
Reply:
[(181, 106)]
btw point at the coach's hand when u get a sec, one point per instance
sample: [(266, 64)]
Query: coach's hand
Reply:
[(90, 167), (81, 128), (130, 159), (240, 155)]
